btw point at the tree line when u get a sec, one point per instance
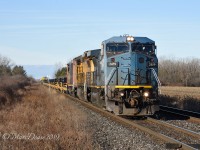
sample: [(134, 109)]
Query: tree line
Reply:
[(7, 68), (179, 71), (172, 71)]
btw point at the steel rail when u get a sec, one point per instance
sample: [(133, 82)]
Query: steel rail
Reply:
[(174, 111), (186, 131)]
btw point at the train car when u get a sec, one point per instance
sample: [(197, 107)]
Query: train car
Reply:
[(86, 74), (69, 78), (129, 68), (44, 80), (121, 76)]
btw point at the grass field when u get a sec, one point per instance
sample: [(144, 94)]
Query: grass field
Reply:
[(43, 119), (181, 97), (181, 91)]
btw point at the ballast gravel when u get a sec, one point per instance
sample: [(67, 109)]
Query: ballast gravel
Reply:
[(186, 125), (109, 135)]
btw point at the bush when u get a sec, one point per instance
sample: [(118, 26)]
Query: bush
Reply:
[(10, 88)]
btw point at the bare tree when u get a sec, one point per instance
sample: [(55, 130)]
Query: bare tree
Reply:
[(185, 71)]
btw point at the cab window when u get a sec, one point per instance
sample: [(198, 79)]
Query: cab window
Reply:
[(148, 49), (116, 48)]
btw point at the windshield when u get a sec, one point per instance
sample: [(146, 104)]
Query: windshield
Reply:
[(143, 48), (116, 48)]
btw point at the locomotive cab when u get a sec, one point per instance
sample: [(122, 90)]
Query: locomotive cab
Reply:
[(129, 68)]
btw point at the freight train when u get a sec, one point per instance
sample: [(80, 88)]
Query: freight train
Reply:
[(120, 77)]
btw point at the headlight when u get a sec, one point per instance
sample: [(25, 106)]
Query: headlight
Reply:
[(130, 39), (121, 94), (146, 94)]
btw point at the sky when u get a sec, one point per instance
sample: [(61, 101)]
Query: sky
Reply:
[(46, 32)]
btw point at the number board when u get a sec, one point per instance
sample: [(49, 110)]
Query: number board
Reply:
[(113, 64)]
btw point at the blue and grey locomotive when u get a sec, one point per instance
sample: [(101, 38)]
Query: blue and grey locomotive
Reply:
[(121, 76)]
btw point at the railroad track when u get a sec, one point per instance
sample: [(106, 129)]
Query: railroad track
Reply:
[(189, 115), (131, 124), (170, 141), (183, 135), (182, 130)]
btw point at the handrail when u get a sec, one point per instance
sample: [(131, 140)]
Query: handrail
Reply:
[(110, 76), (156, 77)]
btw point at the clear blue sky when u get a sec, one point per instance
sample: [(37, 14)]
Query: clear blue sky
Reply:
[(34, 32)]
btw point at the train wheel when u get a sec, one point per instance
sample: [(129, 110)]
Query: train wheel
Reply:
[(94, 97), (97, 98), (80, 93)]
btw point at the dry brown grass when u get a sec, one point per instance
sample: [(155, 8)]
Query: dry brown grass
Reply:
[(48, 115), (181, 97), (11, 88), (181, 91)]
